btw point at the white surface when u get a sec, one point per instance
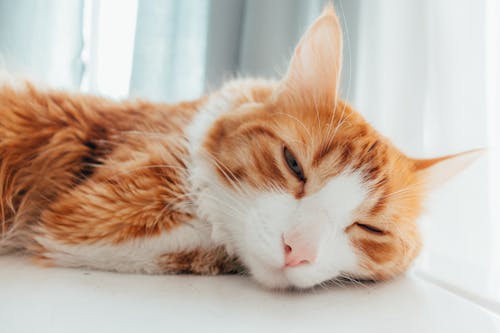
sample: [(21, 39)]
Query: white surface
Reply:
[(34, 299)]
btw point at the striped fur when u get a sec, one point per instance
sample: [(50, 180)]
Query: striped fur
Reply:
[(204, 186)]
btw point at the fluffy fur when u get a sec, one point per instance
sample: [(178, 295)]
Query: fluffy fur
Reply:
[(205, 186)]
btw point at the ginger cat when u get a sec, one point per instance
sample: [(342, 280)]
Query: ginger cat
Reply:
[(279, 177)]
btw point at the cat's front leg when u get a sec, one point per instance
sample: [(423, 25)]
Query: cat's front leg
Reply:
[(124, 218), (211, 261)]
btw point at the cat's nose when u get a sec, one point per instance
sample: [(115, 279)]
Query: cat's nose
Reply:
[(298, 249)]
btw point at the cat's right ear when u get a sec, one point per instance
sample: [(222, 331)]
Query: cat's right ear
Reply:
[(436, 171), (314, 70)]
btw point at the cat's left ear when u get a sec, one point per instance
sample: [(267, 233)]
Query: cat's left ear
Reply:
[(314, 69), (437, 171)]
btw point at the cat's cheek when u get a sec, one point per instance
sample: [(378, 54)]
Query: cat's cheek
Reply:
[(268, 275), (269, 217), (220, 235)]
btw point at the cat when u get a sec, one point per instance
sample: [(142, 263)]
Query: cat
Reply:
[(281, 179)]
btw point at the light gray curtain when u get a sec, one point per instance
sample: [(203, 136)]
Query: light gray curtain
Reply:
[(262, 35), (223, 39), (42, 39), (259, 37), (170, 49), (181, 48), (184, 47)]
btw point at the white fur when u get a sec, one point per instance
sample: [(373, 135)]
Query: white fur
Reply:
[(138, 255), (141, 254), (251, 223)]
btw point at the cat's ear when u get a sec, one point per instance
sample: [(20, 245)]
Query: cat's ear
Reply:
[(437, 171), (314, 69)]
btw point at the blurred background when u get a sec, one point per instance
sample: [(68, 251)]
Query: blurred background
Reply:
[(425, 73)]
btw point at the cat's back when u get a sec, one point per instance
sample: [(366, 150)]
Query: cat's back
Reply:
[(81, 168), (24, 107)]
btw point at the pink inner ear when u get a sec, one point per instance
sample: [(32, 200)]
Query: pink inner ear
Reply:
[(314, 69), (437, 171)]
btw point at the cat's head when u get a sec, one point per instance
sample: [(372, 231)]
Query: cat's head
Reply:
[(300, 186)]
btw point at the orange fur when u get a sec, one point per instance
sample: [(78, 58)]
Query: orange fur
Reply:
[(326, 141), (81, 169), (212, 262)]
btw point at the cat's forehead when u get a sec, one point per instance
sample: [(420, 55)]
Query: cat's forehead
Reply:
[(316, 124), (332, 135)]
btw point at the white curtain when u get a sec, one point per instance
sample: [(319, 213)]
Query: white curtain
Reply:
[(424, 72), (428, 78)]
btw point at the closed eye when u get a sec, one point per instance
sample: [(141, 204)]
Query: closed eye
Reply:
[(369, 228), (293, 164)]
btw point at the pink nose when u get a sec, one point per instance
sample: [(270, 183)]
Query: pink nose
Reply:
[(298, 250)]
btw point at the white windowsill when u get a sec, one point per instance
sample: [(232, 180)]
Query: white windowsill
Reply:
[(34, 299)]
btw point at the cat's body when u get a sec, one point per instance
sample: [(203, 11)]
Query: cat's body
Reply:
[(92, 182), (281, 176)]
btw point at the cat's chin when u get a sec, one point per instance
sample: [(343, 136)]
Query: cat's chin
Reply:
[(281, 278), (267, 275), (278, 280)]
